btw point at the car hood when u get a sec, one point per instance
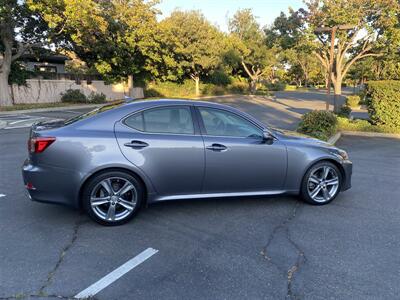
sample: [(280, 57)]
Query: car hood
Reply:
[(299, 137)]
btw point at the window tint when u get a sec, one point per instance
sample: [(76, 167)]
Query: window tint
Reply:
[(135, 121), (176, 120), (222, 123)]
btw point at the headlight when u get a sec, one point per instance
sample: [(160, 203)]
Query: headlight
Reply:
[(341, 154)]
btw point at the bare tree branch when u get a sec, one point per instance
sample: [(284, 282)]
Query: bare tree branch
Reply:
[(22, 48), (247, 70), (322, 59), (362, 54)]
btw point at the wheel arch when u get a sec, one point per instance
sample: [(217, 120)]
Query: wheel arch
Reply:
[(113, 169), (328, 159)]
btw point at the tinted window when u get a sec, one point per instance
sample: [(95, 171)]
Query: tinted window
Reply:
[(95, 112), (222, 123), (176, 120)]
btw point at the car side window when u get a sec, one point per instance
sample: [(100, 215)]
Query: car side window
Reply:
[(176, 120), (223, 123)]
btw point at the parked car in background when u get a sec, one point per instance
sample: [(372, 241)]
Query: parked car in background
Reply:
[(114, 159)]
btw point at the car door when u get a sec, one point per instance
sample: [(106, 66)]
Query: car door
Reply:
[(237, 157), (166, 145)]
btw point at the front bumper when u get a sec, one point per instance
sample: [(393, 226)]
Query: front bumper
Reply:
[(51, 184), (348, 171)]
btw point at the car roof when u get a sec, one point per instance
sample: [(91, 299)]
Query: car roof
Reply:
[(122, 109), (156, 102)]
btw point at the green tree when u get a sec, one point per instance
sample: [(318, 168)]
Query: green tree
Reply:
[(20, 29), (374, 32), (289, 33), (115, 37), (249, 45), (195, 43), (381, 68)]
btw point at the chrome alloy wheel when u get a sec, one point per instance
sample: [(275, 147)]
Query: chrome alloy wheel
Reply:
[(323, 184), (113, 199)]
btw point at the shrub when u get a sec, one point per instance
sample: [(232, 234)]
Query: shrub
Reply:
[(353, 100), (238, 86), (277, 86), (219, 77), (187, 89), (383, 100), (171, 89), (73, 96), (97, 98), (289, 87), (209, 89), (318, 123), (344, 111), (362, 94), (363, 125)]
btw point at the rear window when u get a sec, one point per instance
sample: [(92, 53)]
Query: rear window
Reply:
[(94, 112), (171, 119)]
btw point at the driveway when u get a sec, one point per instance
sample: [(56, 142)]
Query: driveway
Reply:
[(252, 248), (285, 109)]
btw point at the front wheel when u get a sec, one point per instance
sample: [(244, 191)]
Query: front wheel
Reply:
[(321, 184), (112, 198)]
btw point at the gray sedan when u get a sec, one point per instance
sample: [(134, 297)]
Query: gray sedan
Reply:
[(114, 159)]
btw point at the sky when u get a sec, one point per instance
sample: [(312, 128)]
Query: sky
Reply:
[(219, 11)]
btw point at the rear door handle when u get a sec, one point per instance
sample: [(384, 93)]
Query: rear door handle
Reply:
[(217, 147), (136, 144)]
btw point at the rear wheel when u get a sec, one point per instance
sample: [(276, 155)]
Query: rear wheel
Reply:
[(112, 198), (321, 184)]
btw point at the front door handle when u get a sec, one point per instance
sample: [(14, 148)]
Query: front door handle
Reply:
[(217, 147), (136, 144)]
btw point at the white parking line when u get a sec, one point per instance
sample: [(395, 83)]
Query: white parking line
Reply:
[(2, 195), (116, 274)]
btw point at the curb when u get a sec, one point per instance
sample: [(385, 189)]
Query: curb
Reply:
[(334, 138), (34, 110), (371, 134)]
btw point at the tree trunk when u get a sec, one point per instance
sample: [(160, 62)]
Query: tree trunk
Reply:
[(337, 84), (5, 96), (253, 86), (6, 59)]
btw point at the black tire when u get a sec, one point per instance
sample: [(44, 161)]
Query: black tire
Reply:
[(116, 177), (304, 192)]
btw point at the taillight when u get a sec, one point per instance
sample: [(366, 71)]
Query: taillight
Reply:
[(39, 144)]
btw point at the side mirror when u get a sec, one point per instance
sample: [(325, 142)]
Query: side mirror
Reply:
[(268, 138)]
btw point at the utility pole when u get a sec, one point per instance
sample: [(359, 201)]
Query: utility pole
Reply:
[(332, 30)]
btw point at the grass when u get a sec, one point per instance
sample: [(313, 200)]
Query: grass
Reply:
[(345, 124), (37, 106)]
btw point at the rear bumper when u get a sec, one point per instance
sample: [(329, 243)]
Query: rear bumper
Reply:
[(51, 184), (348, 171)]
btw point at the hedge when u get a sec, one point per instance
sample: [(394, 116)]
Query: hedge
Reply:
[(187, 89), (383, 101), (76, 96)]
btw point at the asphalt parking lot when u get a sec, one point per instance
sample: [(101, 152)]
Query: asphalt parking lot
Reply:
[(253, 248)]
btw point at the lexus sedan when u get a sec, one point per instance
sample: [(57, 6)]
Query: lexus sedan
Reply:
[(114, 159)]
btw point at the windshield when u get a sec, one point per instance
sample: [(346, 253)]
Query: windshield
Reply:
[(94, 112)]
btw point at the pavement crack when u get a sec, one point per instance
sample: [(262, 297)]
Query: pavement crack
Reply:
[(300, 257), (63, 252)]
